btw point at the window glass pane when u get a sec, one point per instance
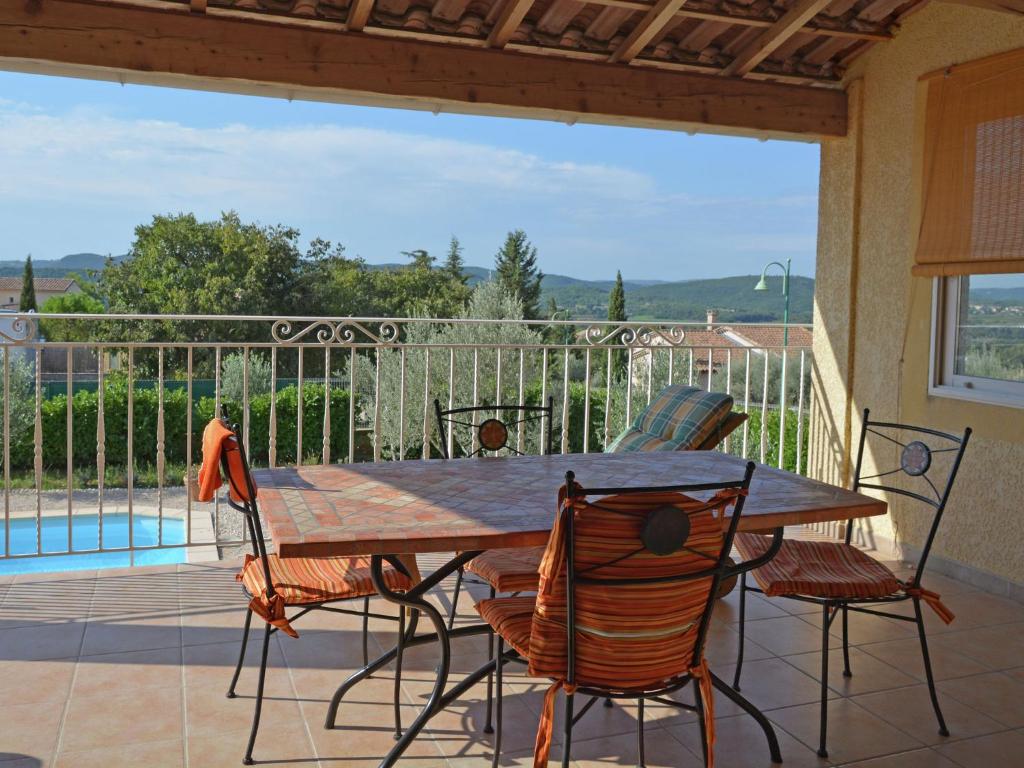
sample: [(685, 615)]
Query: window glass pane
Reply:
[(990, 332)]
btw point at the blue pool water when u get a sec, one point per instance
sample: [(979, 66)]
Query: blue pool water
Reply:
[(84, 536)]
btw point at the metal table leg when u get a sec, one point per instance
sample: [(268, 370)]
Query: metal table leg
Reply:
[(415, 600)]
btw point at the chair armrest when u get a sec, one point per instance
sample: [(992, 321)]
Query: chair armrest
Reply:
[(773, 549)]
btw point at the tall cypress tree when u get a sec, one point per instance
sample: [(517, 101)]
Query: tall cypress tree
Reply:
[(516, 268), (617, 313), (454, 264), (27, 303)]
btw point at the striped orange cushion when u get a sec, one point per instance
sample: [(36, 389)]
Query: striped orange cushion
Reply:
[(629, 637), (512, 618), (508, 570), (817, 569), (305, 580)]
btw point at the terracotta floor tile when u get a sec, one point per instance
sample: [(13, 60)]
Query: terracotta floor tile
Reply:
[(919, 758), (999, 696), (286, 743), (43, 641), (1000, 647), (209, 711), (740, 743), (156, 754), (869, 674), (122, 718), (660, 748), (97, 675), (31, 730), (215, 664), (35, 682), (865, 628), (113, 636), (787, 635), (910, 710), (854, 733), (997, 749), (772, 683), (905, 655), (722, 646)]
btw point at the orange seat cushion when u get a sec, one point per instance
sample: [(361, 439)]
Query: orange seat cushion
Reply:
[(305, 580), (817, 569), (509, 570), (512, 618)]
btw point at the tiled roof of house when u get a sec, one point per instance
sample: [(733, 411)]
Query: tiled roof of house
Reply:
[(49, 284), (773, 335)]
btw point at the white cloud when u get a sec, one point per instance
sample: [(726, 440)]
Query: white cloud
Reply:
[(379, 191)]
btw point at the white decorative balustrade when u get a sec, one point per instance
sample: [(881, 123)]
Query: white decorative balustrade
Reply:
[(101, 426)]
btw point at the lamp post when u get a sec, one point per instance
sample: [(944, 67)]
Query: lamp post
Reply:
[(762, 285)]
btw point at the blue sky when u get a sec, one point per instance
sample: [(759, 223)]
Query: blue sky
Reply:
[(83, 162)]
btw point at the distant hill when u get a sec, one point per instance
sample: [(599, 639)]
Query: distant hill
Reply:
[(74, 262), (1012, 295), (733, 297)]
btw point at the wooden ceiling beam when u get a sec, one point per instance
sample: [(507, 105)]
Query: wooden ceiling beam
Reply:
[(171, 46), (358, 15), (791, 22), (657, 18), (512, 15)]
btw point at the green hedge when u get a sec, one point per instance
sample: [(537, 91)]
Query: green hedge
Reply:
[(144, 427)]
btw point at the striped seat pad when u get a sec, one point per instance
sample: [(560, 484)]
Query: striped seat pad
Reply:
[(512, 618), (817, 569), (508, 570), (680, 418), (305, 580)]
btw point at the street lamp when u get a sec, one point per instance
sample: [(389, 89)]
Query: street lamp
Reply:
[(762, 285)]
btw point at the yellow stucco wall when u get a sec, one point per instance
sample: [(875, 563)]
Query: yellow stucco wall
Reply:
[(872, 319)]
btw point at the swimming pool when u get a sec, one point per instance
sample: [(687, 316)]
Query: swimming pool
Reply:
[(85, 535)]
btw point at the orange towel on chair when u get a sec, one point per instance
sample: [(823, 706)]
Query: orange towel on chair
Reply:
[(217, 439)]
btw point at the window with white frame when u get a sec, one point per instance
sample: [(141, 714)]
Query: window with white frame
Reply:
[(978, 338)]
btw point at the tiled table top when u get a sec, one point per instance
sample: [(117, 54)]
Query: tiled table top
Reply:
[(488, 503)]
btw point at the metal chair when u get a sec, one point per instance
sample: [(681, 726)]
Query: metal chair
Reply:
[(841, 578), (629, 574), (273, 584), (491, 433), (512, 570)]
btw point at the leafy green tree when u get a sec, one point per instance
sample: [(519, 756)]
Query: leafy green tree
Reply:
[(517, 272), (617, 313), (180, 265), (403, 428), (233, 385), (27, 302), (68, 304)]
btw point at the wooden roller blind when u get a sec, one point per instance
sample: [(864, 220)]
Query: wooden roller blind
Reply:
[(972, 215)]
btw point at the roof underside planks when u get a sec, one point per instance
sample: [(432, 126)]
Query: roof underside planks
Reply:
[(239, 50)]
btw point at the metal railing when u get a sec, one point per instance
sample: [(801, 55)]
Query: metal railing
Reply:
[(97, 457)]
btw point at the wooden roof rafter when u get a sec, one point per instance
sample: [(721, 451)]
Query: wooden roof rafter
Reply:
[(791, 22), (657, 18)]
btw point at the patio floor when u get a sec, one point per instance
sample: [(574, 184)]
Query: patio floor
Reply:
[(116, 668)]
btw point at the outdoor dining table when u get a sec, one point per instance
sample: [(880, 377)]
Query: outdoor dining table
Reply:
[(391, 511)]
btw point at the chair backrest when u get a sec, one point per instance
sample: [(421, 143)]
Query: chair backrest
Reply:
[(680, 418), (242, 492), (918, 474), (494, 427), (632, 573)]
